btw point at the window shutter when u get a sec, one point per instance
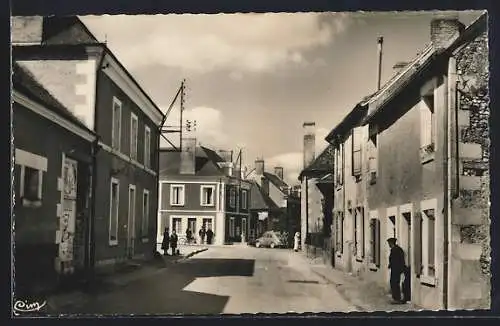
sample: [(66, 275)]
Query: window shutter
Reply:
[(377, 242), (417, 249), (372, 252), (356, 151)]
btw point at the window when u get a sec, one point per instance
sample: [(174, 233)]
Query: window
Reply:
[(357, 137), (208, 223), (244, 199), (232, 197), (192, 225), (116, 127), (113, 211), (177, 195), (374, 240), (340, 232), (145, 214), (428, 123), (131, 213), (207, 195), (372, 163), (177, 225), (339, 165), (231, 227), (31, 168), (428, 237), (147, 147), (134, 128), (359, 233)]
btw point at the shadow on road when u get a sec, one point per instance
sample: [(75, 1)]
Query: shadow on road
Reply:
[(164, 294)]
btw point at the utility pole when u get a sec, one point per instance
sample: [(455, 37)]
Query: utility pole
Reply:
[(183, 87)]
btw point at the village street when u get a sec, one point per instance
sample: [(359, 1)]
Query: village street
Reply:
[(236, 279)]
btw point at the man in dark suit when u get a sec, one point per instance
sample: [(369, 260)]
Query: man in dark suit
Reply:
[(397, 266)]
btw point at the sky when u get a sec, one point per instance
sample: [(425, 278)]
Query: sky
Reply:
[(252, 80)]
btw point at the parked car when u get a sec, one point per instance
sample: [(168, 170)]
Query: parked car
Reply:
[(269, 239)]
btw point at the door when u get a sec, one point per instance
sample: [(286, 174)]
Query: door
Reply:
[(405, 236), (244, 230), (68, 219), (131, 222)]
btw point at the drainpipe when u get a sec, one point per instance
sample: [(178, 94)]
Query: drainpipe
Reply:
[(93, 184), (447, 159), (450, 193)]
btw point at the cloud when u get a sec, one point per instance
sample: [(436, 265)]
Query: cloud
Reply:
[(201, 43), (209, 129), (292, 162)]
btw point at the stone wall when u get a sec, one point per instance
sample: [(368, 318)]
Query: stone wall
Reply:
[(474, 182)]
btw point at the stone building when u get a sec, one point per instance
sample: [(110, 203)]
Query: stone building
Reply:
[(418, 169)]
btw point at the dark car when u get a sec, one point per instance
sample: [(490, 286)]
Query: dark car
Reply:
[(269, 239)]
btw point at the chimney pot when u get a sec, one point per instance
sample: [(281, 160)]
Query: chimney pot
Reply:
[(259, 166)]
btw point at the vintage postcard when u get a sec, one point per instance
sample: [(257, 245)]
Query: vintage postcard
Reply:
[(251, 163)]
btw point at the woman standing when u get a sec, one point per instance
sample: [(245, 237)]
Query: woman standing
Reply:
[(166, 242), (296, 243)]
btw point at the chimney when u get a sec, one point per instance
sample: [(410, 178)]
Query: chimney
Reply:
[(444, 28), (309, 142), (264, 183), (278, 170), (227, 167), (188, 156), (259, 167), (380, 43), (26, 30)]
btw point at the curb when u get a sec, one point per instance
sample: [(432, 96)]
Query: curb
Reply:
[(191, 254)]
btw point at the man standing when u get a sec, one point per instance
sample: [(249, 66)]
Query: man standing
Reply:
[(173, 242), (202, 234), (397, 267), (210, 235)]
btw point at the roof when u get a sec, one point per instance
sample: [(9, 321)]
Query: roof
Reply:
[(420, 64), (322, 165), (259, 200), (353, 118), (206, 162), (26, 83), (274, 179), (70, 31)]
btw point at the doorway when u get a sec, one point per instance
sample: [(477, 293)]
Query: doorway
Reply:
[(405, 235), (244, 230), (131, 222)]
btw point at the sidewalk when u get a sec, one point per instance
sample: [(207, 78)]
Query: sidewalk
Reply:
[(122, 275), (366, 296)]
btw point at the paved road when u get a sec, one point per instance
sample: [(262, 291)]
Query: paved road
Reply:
[(226, 280)]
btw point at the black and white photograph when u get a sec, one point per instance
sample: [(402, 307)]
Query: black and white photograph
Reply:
[(246, 163)]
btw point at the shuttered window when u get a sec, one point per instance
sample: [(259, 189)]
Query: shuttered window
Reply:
[(375, 241), (359, 233), (357, 138), (417, 251)]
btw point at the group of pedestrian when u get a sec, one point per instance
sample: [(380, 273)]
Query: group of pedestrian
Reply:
[(208, 234), (169, 241)]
